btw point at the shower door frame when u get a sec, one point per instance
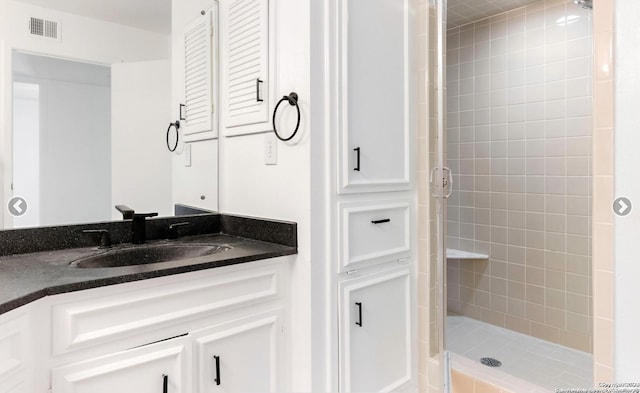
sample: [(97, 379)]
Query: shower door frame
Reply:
[(440, 188)]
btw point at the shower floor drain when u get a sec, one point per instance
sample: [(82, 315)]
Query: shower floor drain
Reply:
[(491, 362)]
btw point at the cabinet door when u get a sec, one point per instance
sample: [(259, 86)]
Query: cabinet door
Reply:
[(197, 113), (155, 368), (373, 95), (15, 349), (241, 356), (245, 69), (375, 332)]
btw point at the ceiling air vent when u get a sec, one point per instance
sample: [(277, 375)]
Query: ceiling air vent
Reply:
[(44, 28)]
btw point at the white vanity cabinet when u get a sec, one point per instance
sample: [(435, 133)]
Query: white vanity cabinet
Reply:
[(239, 356), (374, 95), (375, 326), (131, 337), (15, 352), (247, 66), (156, 368)]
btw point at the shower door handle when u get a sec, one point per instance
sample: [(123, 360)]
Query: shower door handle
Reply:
[(444, 184), (447, 182)]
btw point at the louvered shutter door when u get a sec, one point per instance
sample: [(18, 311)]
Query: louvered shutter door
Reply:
[(198, 112), (245, 64)]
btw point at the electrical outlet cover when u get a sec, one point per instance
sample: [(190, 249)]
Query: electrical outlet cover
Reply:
[(270, 150)]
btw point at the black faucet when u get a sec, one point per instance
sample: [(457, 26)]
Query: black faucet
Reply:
[(139, 227), (127, 212), (105, 238), (173, 229)]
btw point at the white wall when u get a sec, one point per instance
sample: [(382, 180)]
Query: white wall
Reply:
[(283, 191), (26, 147), (246, 185), (140, 112), (82, 38), (627, 162), (74, 149), (75, 153)]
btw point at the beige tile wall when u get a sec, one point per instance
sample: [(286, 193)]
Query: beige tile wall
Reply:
[(603, 191), (520, 145), (463, 383)]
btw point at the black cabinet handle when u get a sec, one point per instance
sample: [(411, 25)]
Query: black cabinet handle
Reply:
[(165, 383), (357, 168), (217, 379), (182, 106), (381, 221), (359, 321), (258, 98)]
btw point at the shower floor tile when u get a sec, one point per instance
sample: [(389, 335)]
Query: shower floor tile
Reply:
[(524, 357)]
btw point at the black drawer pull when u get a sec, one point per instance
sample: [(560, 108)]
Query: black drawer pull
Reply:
[(357, 168), (217, 379), (359, 321), (165, 383), (381, 221)]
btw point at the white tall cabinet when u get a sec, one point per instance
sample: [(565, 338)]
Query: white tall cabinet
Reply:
[(373, 95), (373, 201), (375, 326)]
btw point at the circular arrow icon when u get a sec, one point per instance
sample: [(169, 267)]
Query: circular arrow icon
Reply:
[(17, 206), (622, 206)]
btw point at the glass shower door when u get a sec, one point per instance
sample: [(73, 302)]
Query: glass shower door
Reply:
[(433, 203)]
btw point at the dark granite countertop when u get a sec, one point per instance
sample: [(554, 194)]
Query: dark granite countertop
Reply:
[(26, 277)]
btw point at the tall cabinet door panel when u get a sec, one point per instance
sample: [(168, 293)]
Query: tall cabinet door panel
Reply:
[(197, 116), (374, 95), (245, 66), (375, 324), (240, 356), (145, 369)]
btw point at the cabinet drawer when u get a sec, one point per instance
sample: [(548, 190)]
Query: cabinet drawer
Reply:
[(373, 232), (143, 308), (142, 370)]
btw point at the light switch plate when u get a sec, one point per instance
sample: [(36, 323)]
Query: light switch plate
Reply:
[(270, 150)]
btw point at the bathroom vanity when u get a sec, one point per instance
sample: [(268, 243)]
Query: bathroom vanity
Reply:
[(206, 323)]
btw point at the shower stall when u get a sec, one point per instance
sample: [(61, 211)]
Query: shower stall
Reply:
[(508, 130)]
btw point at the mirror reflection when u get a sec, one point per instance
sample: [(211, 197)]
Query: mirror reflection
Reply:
[(86, 108), (61, 117)]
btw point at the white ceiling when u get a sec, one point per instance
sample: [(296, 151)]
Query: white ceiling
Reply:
[(153, 15), (461, 12)]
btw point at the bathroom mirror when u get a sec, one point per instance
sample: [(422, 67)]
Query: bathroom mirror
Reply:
[(87, 99)]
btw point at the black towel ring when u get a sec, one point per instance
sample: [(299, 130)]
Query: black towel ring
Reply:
[(177, 126), (293, 100)]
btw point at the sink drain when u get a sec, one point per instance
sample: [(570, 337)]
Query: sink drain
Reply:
[(491, 362)]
